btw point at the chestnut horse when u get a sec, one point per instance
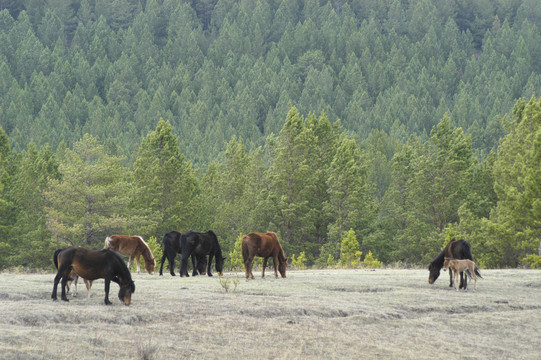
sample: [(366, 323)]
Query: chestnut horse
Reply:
[(91, 265), (134, 247), (73, 278), (456, 249), (265, 246)]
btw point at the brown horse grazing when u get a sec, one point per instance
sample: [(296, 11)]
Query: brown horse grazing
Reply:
[(459, 266), (91, 265), (134, 247), (73, 278), (456, 249), (263, 245)]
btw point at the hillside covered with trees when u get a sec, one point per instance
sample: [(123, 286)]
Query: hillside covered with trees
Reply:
[(408, 122)]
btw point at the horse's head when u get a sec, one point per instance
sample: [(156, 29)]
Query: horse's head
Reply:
[(434, 273), (220, 264), (125, 292), (446, 263), (282, 267), (149, 265)]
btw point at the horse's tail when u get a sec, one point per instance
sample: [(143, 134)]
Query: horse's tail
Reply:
[(244, 248), (477, 273), (182, 241), (55, 257)]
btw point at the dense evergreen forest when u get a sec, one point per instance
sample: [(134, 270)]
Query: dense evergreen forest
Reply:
[(400, 123)]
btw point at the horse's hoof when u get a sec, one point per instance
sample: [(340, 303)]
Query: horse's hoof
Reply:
[(108, 303), (66, 300)]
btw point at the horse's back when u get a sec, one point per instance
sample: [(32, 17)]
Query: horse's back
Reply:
[(459, 249), (92, 264), (124, 244), (261, 244)]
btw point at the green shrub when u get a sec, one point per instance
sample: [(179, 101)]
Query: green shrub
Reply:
[(299, 262), (350, 255), (370, 261), (533, 261), (235, 255)]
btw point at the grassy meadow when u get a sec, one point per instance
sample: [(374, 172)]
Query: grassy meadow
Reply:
[(312, 314)]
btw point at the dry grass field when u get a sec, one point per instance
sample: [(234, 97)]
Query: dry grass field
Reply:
[(313, 314)]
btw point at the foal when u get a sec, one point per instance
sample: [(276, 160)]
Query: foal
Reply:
[(458, 266)]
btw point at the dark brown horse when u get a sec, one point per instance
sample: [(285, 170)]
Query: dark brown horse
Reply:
[(91, 265), (264, 245), (134, 247), (457, 249), (74, 278)]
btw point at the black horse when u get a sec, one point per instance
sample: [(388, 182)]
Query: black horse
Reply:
[(171, 247), (200, 245), (457, 249), (91, 265)]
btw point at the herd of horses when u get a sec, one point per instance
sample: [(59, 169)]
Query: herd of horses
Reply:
[(74, 262)]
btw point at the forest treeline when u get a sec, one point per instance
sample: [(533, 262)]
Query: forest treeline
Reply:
[(407, 121)]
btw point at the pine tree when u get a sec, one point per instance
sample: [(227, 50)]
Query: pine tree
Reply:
[(514, 228), (165, 182), (29, 187), (90, 201)]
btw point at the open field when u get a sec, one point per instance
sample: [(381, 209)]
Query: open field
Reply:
[(313, 314)]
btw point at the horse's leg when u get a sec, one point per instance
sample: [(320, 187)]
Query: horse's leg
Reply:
[(248, 265), (456, 280), (74, 284), (138, 262), (265, 259), (55, 285), (211, 255), (65, 279), (184, 263), (464, 277), (164, 256), (88, 284), (132, 258), (275, 261), (450, 277), (107, 285), (171, 259), (195, 265)]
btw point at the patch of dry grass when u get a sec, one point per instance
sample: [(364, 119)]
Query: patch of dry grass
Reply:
[(313, 314)]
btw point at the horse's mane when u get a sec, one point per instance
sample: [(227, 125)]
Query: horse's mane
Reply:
[(282, 252), (124, 267), (218, 247), (438, 260), (147, 253)]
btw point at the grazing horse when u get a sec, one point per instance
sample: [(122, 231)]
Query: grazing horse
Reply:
[(134, 247), (73, 278), (171, 247), (456, 249), (91, 265), (200, 245), (460, 266), (265, 246)]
